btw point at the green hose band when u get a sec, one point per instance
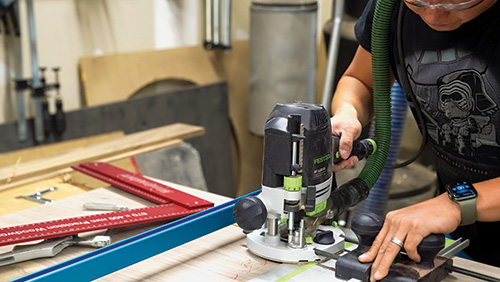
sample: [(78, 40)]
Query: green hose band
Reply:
[(374, 145), (380, 38)]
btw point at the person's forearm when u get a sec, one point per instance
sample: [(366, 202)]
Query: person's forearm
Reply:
[(488, 200), (353, 97)]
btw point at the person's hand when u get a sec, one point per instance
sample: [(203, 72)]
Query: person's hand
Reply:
[(349, 129), (410, 225)]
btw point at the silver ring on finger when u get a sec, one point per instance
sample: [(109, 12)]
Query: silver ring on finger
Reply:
[(397, 242)]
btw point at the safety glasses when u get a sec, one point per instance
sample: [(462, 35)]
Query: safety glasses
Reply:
[(447, 5)]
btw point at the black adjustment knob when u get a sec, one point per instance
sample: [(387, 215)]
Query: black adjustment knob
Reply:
[(428, 249), (250, 213), (59, 117), (366, 226), (42, 75), (324, 237), (47, 118)]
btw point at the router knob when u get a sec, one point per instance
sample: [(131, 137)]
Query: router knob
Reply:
[(428, 249), (366, 226), (324, 238), (250, 213)]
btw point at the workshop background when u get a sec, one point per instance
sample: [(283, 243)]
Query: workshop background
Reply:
[(111, 51)]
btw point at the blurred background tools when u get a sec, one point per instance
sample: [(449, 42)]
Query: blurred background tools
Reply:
[(44, 123), (217, 24)]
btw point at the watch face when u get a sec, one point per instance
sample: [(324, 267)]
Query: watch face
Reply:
[(462, 191)]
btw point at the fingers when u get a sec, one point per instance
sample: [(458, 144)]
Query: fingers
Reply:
[(387, 252), (411, 243), (390, 248), (386, 246), (345, 148), (371, 254), (345, 145), (345, 164), (348, 128)]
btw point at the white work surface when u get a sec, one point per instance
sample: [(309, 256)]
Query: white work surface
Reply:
[(219, 256)]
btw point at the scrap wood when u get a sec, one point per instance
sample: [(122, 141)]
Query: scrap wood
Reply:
[(129, 145), (37, 152)]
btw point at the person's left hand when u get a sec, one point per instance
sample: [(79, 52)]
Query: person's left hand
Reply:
[(410, 225)]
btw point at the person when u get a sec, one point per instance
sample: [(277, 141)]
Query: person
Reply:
[(451, 62)]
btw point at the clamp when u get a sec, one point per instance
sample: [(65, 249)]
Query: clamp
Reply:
[(50, 248)]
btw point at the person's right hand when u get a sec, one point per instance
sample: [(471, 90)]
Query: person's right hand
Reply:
[(410, 225), (349, 129)]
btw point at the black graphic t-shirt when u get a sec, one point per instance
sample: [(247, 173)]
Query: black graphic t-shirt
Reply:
[(455, 76)]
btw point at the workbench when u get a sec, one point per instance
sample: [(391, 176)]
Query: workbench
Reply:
[(219, 256)]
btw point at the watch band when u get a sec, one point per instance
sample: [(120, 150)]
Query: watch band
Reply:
[(464, 194), (468, 210)]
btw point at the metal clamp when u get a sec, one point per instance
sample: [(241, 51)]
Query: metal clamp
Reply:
[(50, 248)]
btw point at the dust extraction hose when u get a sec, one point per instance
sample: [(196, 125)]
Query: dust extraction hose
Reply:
[(356, 190)]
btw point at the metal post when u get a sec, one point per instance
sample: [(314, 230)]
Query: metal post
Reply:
[(209, 29), (216, 23), (36, 84), (13, 36), (226, 24), (333, 52)]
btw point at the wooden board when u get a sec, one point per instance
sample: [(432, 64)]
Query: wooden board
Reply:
[(99, 151), (23, 155), (114, 78), (67, 175)]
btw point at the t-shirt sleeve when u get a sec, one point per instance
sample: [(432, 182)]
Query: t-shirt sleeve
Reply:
[(363, 26)]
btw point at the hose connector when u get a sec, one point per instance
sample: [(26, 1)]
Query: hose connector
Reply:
[(349, 194)]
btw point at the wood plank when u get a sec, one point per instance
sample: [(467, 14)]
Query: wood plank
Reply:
[(101, 150), (38, 152), (67, 174), (117, 77)]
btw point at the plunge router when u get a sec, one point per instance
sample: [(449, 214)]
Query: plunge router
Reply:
[(291, 220)]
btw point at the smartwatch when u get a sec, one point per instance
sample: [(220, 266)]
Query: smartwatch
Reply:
[(464, 194)]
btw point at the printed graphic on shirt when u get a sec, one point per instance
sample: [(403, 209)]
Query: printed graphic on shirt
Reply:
[(460, 118)]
